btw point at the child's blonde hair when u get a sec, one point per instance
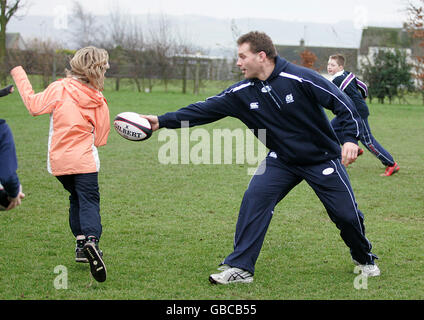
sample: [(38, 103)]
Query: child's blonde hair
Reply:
[(89, 65)]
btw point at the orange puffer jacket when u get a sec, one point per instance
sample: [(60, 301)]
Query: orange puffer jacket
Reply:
[(79, 122)]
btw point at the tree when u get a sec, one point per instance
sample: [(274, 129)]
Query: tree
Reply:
[(162, 45), (308, 59), (184, 50), (8, 10), (85, 31), (235, 30), (134, 47), (388, 74), (46, 59), (415, 25)]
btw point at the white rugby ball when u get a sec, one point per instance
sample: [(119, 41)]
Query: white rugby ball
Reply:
[(132, 126)]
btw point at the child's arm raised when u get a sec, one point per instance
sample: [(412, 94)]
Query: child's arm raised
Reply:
[(37, 104)]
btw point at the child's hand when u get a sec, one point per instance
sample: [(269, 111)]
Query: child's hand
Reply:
[(14, 202), (10, 88)]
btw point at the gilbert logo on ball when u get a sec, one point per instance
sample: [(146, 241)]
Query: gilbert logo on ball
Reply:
[(132, 126)]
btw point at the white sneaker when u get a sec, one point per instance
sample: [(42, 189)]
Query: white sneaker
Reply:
[(224, 267), (368, 270), (231, 275)]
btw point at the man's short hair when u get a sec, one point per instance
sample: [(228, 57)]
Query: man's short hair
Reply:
[(341, 60), (259, 41)]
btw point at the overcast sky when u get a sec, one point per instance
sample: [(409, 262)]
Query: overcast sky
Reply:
[(324, 11)]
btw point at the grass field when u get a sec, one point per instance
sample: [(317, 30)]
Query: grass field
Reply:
[(167, 227)]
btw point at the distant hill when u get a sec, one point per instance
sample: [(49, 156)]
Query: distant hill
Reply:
[(212, 34)]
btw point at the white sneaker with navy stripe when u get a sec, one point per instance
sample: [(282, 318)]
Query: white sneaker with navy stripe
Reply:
[(231, 275)]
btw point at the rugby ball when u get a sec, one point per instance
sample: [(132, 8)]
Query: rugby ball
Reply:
[(4, 199), (132, 126)]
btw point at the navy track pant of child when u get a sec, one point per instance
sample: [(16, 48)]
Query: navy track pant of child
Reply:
[(330, 182), (368, 140), (84, 210)]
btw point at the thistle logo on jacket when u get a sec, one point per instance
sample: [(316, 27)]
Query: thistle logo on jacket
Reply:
[(289, 98)]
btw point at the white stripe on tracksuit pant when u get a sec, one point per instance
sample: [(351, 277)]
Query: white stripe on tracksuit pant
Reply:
[(330, 182), (368, 140)]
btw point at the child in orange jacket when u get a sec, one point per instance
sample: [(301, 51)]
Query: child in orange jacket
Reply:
[(79, 123)]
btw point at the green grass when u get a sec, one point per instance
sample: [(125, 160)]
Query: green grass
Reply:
[(167, 227)]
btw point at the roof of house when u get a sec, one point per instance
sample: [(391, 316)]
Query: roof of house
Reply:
[(14, 41), (292, 54), (385, 37)]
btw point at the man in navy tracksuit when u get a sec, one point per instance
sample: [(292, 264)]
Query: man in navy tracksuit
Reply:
[(10, 187), (358, 91), (285, 100)]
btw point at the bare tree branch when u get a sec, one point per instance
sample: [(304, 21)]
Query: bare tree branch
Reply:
[(85, 31)]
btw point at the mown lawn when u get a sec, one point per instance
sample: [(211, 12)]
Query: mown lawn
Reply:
[(167, 227)]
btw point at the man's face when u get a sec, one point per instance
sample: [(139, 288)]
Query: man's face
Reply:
[(333, 67), (248, 62)]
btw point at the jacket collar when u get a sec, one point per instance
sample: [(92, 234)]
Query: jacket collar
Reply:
[(338, 74), (280, 65)]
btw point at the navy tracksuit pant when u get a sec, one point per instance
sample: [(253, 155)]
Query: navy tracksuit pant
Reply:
[(84, 210), (368, 140), (330, 182)]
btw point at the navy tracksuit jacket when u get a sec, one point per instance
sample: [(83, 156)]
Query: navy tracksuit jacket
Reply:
[(357, 91), (8, 161), (303, 146)]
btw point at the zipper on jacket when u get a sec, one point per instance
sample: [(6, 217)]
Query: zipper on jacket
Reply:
[(269, 92)]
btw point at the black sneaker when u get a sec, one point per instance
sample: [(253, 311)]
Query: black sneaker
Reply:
[(97, 266), (79, 250)]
